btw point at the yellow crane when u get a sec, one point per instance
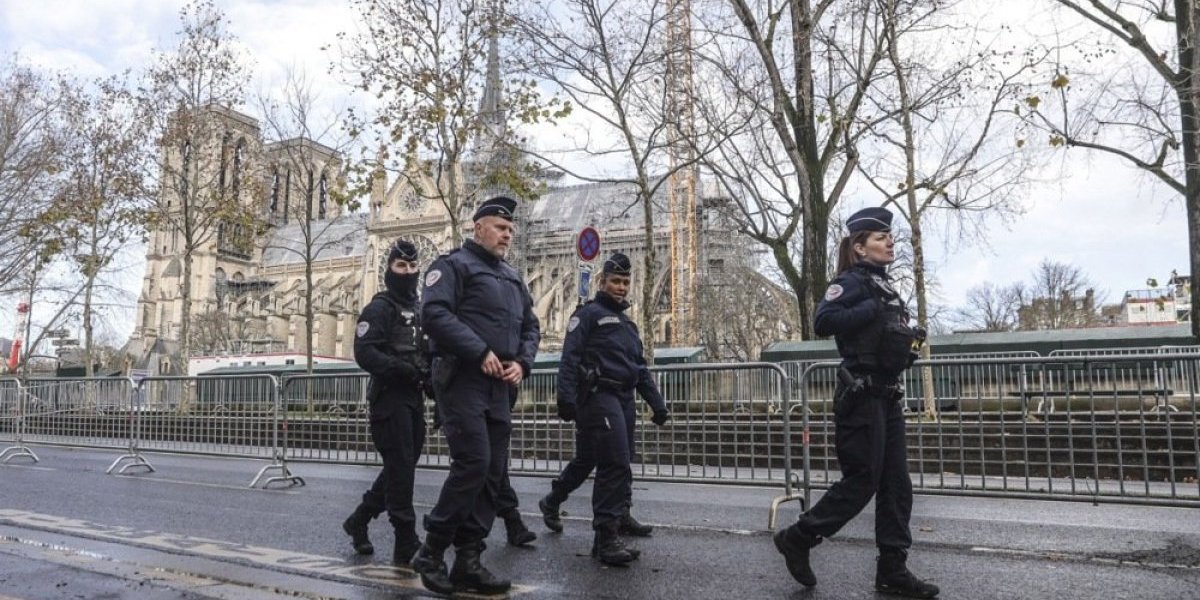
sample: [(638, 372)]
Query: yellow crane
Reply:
[(684, 176)]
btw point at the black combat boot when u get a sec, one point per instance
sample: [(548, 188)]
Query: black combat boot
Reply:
[(469, 575), (631, 526), (356, 527), (407, 544), (431, 566), (794, 545), (609, 548), (518, 533), (893, 577), (551, 515)]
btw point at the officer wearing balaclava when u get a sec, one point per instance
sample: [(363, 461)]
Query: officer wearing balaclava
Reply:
[(389, 344)]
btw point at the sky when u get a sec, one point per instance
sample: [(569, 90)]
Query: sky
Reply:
[(1117, 225)]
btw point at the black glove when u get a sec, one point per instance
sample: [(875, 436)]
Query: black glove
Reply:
[(566, 411), (660, 417), (406, 371)]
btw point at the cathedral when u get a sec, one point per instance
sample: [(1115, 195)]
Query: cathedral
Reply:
[(249, 282)]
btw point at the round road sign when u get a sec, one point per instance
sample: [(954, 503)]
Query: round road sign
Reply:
[(588, 244)]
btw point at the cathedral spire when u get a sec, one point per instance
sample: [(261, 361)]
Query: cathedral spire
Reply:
[(491, 106)]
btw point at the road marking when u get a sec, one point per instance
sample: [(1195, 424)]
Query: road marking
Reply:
[(224, 486), (1103, 560), (310, 565)]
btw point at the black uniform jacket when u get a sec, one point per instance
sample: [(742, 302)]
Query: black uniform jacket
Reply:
[(474, 302), (601, 336)]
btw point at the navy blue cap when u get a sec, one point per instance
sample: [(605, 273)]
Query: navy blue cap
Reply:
[(874, 218), (402, 249), (617, 264), (500, 206)]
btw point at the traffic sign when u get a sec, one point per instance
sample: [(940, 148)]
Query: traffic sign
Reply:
[(585, 279), (587, 244)]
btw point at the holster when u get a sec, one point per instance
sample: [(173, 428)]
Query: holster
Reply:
[(847, 389), (445, 367), (588, 376)]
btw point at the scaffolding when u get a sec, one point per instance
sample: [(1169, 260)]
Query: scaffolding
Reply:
[(683, 178)]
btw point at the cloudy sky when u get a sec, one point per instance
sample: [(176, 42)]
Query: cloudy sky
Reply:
[(1117, 225)]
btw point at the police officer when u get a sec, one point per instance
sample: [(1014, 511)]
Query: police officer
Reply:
[(479, 318), (389, 345), (870, 326), (602, 364)]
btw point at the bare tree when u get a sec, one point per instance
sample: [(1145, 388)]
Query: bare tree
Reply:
[(31, 140), (947, 115), (610, 59), (784, 83), (1145, 117), (205, 194), (309, 167), (441, 100), (1060, 296), (99, 205), (992, 307), (949, 118)]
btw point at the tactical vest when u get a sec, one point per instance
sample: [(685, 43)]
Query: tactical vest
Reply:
[(885, 344), (406, 337)]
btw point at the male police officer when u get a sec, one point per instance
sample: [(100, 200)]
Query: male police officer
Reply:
[(602, 364), (479, 318), (389, 345)]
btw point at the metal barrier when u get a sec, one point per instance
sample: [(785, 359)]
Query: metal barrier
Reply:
[(12, 414), (1112, 427), (236, 415), (1110, 441), (725, 426), (91, 412)]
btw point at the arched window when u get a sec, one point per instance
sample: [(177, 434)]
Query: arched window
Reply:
[(224, 161), (185, 164), (287, 194), (239, 156), (274, 190), (312, 191), (322, 197)]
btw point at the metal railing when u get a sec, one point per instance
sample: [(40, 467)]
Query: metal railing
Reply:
[(998, 432), (12, 420), (1114, 427)]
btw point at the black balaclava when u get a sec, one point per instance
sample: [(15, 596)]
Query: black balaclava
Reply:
[(402, 286)]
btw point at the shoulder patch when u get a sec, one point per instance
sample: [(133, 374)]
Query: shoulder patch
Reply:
[(432, 277), (363, 326), (834, 292), (572, 324), (608, 320)]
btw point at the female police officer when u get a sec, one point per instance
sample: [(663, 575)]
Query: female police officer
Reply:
[(870, 325), (602, 365)]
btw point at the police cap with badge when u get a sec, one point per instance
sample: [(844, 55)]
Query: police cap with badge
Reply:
[(617, 264), (500, 206), (404, 250), (872, 218)]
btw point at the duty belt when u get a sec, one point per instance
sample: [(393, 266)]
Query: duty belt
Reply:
[(880, 384), (612, 384)]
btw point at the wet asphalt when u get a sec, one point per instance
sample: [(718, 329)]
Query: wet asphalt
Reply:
[(194, 529)]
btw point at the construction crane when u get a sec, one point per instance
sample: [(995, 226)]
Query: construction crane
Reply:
[(684, 175)]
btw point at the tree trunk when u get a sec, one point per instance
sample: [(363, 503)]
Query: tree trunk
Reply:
[(914, 209), (649, 275), (1187, 21), (90, 272), (185, 319)]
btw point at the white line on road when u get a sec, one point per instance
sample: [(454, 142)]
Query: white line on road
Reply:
[(269, 558)]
